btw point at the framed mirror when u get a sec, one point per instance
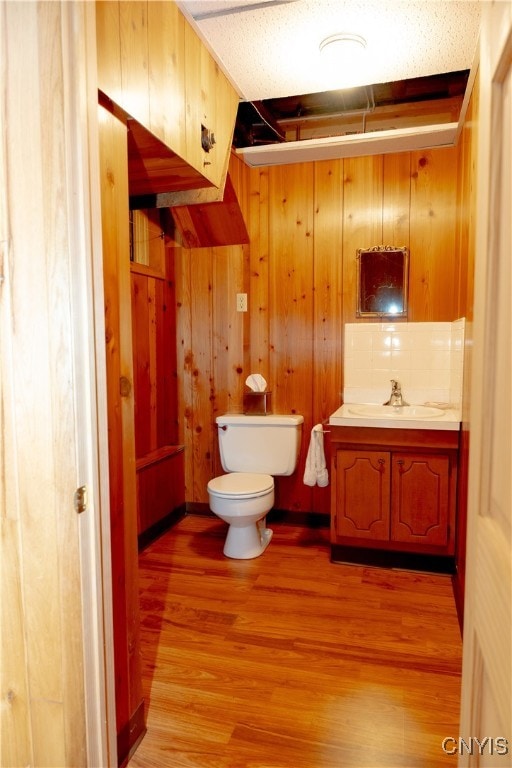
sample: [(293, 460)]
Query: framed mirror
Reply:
[(382, 281)]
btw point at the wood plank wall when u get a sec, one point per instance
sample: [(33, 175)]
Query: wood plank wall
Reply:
[(160, 488), (305, 223), (50, 615), (154, 354), (121, 428)]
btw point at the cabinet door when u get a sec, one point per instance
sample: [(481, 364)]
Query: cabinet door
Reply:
[(362, 494), (421, 499)]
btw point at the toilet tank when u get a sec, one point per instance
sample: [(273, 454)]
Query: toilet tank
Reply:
[(265, 444)]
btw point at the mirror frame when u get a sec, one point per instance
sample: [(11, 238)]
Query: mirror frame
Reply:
[(364, 270)]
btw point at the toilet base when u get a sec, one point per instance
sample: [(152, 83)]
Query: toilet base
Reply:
[(248, 541)]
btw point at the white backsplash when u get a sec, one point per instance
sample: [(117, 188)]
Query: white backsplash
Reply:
[(426, 358)]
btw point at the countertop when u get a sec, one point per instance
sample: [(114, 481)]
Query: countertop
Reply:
[(448, 420)]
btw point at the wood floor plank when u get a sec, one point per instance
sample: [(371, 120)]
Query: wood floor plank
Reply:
[(291, 660)]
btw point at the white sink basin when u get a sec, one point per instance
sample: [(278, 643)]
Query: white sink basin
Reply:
[(396, 412)]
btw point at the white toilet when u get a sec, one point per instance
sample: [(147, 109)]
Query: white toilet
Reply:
[(252, 450)]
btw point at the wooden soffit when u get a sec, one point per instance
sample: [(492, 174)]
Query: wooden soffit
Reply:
[(211, 224)]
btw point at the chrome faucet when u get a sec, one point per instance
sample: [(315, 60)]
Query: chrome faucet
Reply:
[(396, 398)]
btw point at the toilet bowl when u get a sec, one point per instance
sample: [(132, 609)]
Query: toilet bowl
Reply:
[(243, 499), (252, 450)]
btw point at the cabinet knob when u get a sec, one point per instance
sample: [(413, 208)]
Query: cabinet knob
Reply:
[(381, 463)]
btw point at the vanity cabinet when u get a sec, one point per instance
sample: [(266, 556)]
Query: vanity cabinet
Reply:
[(393, 495)]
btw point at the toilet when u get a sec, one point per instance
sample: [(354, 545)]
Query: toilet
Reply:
[(253, 449)]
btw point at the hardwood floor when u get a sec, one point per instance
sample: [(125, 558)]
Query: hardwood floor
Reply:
[(291, 661)]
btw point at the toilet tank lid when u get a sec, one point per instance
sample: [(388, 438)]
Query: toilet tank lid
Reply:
[(271, 419)]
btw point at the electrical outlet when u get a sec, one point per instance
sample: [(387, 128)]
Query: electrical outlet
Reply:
[(241, 302)]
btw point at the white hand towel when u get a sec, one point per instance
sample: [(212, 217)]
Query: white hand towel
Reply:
[(322, 477), (315, 471), (309, 470)]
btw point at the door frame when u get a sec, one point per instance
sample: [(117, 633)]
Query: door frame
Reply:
[(486, 683), (89, 332)]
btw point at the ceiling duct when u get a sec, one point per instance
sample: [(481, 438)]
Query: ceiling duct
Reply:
[(355, 145)]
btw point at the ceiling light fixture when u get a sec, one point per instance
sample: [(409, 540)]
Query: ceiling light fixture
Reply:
[(342, 46)]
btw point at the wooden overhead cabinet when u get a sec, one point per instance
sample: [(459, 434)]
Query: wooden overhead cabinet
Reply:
[(154, 69)]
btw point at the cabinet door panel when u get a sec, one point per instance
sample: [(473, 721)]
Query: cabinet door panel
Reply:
[(420, 501), (363, 489)]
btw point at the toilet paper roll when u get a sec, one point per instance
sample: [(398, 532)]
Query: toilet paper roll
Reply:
[(256, 382)]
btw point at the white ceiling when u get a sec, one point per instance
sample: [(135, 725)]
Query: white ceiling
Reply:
[(270, 48)]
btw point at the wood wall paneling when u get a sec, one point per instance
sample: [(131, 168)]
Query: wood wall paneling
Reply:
[(166, 361), (362, 219), (166, 36), (45, 255), (291, 300), (218, 106), (466, 206), (133, 21), (159, 460), (228, 369), (327, 306), (396, 199), (305, 224), (208, 92), (433, 269), (327, 284), (16, 736), (227, 100), (257, 212), (184, 361), (214, 373), (143, 314), (121, 421), (193, 100), (160, 489), (108, 43), (201, 362), (291, 285)]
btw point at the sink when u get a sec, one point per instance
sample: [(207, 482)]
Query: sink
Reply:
[(396, 417), (396, 412)]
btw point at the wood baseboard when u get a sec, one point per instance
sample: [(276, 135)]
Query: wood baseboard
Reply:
[(156, 530), (130, 736), (409, 561), (458, 593)]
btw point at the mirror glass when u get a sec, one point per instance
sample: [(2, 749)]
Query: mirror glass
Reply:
[(382, 275)]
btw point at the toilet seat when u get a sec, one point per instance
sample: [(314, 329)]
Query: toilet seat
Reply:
[(241, 485)]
